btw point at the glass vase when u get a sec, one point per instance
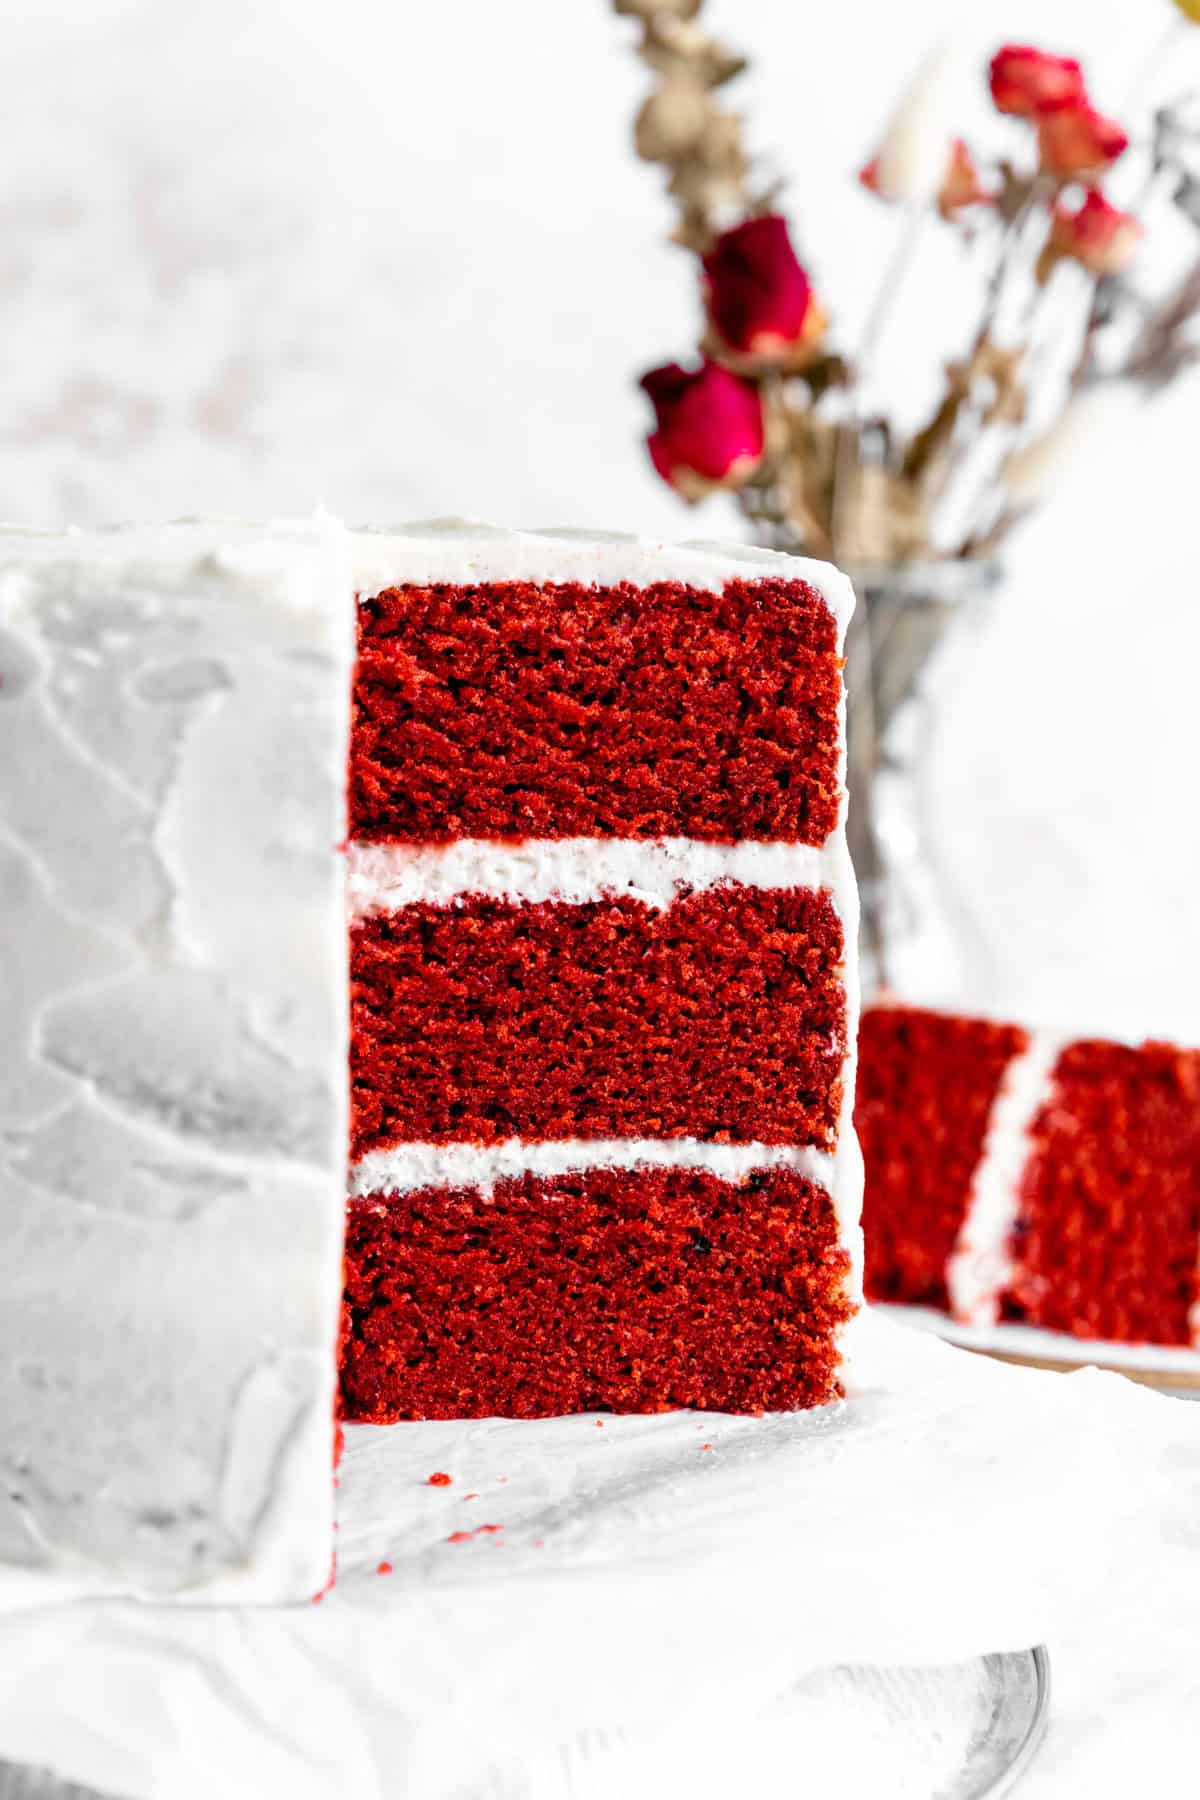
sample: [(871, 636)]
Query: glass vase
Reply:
[(912, 626)]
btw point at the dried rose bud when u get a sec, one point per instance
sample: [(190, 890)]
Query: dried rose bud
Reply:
[(1074, 141), (710, 428), (961, 186), (1101, 237), (1025, 81), (760, 301)]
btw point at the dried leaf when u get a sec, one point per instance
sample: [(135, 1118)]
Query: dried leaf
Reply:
[(662, 9), (672, 46)]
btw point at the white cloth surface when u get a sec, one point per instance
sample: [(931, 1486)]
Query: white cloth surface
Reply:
[(658, 1588)]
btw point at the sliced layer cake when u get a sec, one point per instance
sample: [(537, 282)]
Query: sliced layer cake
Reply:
[(1016, 1177), (585, 1025)]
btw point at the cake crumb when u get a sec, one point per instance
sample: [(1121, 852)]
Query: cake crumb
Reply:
[(439, 1479), (384, 1568), (706, 1446), (470, 1496), (460, 1537)]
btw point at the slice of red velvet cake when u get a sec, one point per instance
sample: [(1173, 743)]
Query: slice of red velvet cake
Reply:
[(603, 1006), (1015, 1177)]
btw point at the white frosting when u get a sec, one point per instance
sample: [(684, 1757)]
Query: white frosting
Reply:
[(981, 1266), (382, 877), (173, 725), (458, 551), (410, 1166)]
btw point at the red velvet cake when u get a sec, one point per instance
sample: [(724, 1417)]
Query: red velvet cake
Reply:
[(602, 1006), (1017, 1178)]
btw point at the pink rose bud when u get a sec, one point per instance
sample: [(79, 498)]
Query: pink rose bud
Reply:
[(1025, 81), (1101, 237), (961, 186), (710, 427), (760, 300), (1074, 140)]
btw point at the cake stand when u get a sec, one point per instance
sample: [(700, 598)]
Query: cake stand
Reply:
[(993, 1710), (1171, 1369)]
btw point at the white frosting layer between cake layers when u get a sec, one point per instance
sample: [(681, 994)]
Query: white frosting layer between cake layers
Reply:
[(173, 730), (410, 1166), (981, 1267), (383, 877)]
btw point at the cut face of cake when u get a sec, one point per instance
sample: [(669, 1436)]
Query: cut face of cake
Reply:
[(1015, 1177), (432, 950), (602, 977)]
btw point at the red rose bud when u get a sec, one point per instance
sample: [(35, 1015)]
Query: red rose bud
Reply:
[(1101, 237), (1025, 81), (961, 186), (760, 300), (1075, 140), (710, 427)]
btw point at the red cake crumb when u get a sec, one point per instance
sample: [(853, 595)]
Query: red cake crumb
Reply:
[(614, 1290), (1109, 1224), (721, 1016), (439, 1480), (383, 1568), (515, 709), (926, 1084), (460, 1537)]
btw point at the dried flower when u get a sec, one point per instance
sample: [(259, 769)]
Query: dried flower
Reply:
[(961, 186), (658, 9), (1025, 81), (710, 427), (1074, 140), (671, 46), (911, 161), (1098, 235), (673, 120), (760, 300)]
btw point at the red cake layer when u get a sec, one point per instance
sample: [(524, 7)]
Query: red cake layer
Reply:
[(515, 709), (926, 1083), (722, 1016), (1109, 1228), (622, 1290)]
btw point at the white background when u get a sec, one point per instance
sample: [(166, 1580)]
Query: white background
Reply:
[(397, 256)]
